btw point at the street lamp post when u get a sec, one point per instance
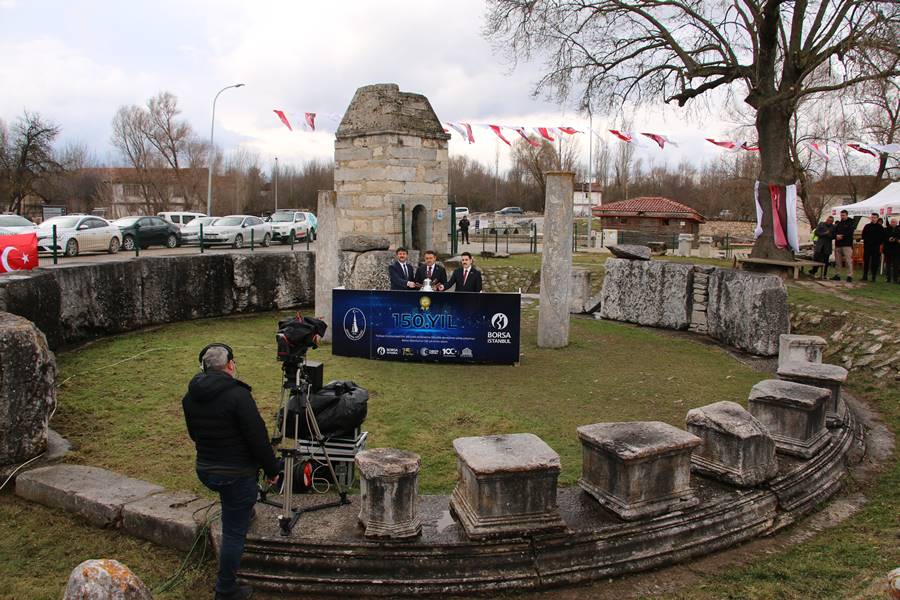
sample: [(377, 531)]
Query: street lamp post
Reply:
[(212, 148)]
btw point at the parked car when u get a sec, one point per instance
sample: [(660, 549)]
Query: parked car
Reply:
[(461, 211), (190, 233), (149, 231), (17, 224), (296, 223), (179, 218), (78, 233), (510, 211), (237, 231)]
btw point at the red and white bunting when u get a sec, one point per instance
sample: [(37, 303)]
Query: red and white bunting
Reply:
[(499, 134), (625, 136), (660, 139), (521, 131), (863, 149), (310, 120), (283, 118), (546, 133), (820, 150)]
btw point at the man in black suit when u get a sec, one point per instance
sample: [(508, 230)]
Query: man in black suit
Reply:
[(431, 270), (466, 278), (402, 274)]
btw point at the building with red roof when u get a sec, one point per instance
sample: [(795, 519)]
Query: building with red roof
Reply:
[(650, 215)]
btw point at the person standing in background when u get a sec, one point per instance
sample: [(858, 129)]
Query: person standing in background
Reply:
[(843, 246), (873, 237)]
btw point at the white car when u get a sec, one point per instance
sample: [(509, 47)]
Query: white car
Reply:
[(237, 231), (15, 224), (190, 233), (461, 211), (296, 223), (79, 233)]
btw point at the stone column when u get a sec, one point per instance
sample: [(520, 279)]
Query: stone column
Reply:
[(389, 493), (705, 246), (685, 241), (556, 265), (328, 256)]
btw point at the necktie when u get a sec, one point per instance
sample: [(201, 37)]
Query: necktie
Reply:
[(465, 275), (405, 272), (429, 272)]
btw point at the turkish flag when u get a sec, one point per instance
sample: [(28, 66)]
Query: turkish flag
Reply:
[(18, 252)]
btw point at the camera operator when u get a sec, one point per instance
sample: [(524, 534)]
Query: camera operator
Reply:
[(232, 445)]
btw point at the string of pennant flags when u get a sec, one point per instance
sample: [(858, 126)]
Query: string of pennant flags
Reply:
[(308, 121)]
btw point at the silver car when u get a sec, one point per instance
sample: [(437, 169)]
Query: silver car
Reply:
[(16, 224), (79, 233), (190, 233), (237, 231)]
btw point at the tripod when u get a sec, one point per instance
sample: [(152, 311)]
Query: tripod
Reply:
[(299, 387)]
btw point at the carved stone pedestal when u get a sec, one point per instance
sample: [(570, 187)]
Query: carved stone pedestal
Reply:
[(830, 377), (507, 486), (801, 348), (637, 469), (389, 493), (736, 448), (793, 413)]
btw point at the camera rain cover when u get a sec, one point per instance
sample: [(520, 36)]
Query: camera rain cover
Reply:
[(340, 407)]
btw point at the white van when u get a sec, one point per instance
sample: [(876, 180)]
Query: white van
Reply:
[(180, 218)]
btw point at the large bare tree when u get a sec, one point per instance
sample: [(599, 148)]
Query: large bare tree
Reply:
[(780, 51), (26, 156)]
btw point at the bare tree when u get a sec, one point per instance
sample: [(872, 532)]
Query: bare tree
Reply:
[(678, 50), (77, 184), (26, 157)]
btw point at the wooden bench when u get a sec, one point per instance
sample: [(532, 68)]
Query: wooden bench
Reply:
[(788, 265)]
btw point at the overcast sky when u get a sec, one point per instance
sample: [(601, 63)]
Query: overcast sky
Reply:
[(76, 63)]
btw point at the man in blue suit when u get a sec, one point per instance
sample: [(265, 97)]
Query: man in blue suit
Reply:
[(402, 274)]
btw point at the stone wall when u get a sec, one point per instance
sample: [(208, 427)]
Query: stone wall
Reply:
[(745, 310), (391, 150), (74, 303)]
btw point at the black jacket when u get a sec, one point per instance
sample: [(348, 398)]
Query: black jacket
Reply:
[(438, 275), (473, 281), (872, 235), (845, 228), (892, 240), (824, 237), (225, 425), (398, 281)]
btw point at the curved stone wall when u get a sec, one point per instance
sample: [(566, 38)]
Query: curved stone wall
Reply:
[(79, 302)]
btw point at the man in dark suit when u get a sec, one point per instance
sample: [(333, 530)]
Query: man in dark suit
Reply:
[(431, 270), (466, 278), (402, 274)]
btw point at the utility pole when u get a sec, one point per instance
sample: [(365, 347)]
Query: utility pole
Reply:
[(496, 172), (590, 202), (276, 184)]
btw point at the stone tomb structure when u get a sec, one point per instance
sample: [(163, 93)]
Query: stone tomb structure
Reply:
[(830, 377), (638, 469), (390, 152), (793, 413), (736, 447), (802, 348), (507, 486)]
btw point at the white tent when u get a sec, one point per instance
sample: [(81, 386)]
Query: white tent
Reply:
[(886, 203)]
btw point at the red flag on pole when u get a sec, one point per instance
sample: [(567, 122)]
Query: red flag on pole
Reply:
[(531, 142), (283, 118), (545, 133), (622, 135), (18, 252), (311, 120)]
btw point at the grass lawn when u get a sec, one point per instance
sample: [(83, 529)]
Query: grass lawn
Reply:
[(120, 404)]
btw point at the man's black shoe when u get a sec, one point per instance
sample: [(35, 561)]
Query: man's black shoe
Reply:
[(836, 278), (242, 593)]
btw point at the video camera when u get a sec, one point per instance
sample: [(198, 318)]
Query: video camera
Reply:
[(297, 335)]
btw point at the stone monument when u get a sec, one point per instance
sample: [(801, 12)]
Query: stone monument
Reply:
[(556, 264), (328, 257), (391, 169)]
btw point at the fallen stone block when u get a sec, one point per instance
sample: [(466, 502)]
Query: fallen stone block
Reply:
[(167, 519), (736, 447), (630, 251), (653, 293), (747, 310), (95, 494)]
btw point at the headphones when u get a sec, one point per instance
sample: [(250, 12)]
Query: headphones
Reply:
[(227, 348)]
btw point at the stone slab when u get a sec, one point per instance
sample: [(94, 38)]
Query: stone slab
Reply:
[(736, 447), (651, 293), (168, 519), (580, 292), (556, 262), (637, 440), (630, 251), (748, 311), (328, 256), (95, 494), (516, 452)]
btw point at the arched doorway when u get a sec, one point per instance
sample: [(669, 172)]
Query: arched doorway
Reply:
[(419, 228)]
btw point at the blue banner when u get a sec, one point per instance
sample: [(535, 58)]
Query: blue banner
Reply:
[(426, 326)]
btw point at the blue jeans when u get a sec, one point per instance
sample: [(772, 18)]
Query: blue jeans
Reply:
[(237, 495)]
